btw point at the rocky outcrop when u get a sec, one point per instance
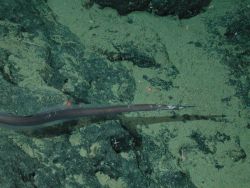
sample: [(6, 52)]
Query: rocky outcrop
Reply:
[(180, 8)]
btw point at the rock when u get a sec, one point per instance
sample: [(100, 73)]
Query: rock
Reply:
[(180, 8), (124, 6)]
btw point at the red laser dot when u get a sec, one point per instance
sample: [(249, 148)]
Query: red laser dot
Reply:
[(68, 103)]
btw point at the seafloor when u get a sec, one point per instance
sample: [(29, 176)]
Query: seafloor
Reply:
[(63, 50)]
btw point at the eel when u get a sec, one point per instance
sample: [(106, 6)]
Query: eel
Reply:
[(69, 113)]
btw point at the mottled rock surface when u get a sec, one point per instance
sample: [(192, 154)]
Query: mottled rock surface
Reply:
[(42, 63)]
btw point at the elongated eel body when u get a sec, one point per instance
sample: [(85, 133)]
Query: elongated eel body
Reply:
[(78, 112)]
